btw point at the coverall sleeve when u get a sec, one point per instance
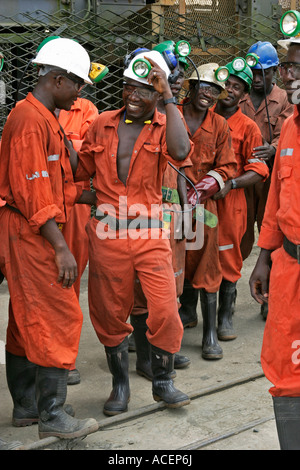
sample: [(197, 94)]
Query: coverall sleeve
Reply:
[(225, 161), (271, 237), (286, 111), (254, 139), (30, 179), (86, 156)]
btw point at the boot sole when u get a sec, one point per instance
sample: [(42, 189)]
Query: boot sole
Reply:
[(191, 324), (21, 423), (72, 435), (227, 337), (173, 405), (212, 356)]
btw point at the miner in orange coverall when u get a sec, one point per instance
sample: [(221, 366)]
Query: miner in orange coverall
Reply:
[(128, 150), (231, 201), (253, 104), (175, 196), (75, 123), (37, 184), (213, 163), (280, 241)]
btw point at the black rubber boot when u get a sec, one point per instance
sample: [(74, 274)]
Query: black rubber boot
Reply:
[(287, 416), (143, 349), (142, 345), (227, 295), (210, 346), (51, 388), (20, 375), (117, 359), (188, 309), (180, 362), (162, 384)]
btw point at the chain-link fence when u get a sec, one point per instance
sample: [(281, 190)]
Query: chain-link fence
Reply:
[(215, 35)]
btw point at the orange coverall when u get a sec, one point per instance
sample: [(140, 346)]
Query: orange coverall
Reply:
[(75, 124), (280, 357), (36, 179), (212, 151), (256, 195), (114, 263), (232, 210)]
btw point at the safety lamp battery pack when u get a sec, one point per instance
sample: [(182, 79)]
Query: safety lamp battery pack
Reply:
[(98, 72), (290, 23)]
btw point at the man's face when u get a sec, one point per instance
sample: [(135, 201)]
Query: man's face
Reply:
[(139, 100), (176, 87), (290, 73), (236, 89), (68, 90), (204, 96), (258, 82)]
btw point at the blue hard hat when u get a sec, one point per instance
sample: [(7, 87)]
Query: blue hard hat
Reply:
[(266, 53)]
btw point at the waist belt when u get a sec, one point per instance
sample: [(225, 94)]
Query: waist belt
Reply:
[(170, 195), (292, 249), (12, 208), (117, 224)]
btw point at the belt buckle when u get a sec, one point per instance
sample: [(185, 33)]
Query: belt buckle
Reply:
[(298, 253)]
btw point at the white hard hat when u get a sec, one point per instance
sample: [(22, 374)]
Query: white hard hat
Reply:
[(153, 55), (66, 54), (285, 43), (207, 74)]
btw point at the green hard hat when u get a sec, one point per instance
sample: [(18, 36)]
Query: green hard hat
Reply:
[(165, 46), (246, 75)]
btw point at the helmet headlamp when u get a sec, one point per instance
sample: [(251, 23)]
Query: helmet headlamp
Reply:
[(141, 67), (182, 48), (239, 64), (290, 23), (222, 74), (251, 59)]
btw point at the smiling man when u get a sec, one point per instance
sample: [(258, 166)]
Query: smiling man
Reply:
[(127, 151), (213, 163), (36, 182), (231, 201), (280, 241)]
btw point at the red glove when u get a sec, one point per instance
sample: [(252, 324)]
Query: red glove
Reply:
[(206, 188)]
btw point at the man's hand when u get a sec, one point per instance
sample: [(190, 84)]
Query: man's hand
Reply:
[(158, 78), (259, 279), (265, 152), (65, 261), (67, 267), (222, 193)]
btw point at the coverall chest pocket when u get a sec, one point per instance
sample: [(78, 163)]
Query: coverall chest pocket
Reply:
[(285, 177), (150, 162)]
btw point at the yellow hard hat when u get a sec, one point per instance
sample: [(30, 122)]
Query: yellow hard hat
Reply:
[(207, 74)]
